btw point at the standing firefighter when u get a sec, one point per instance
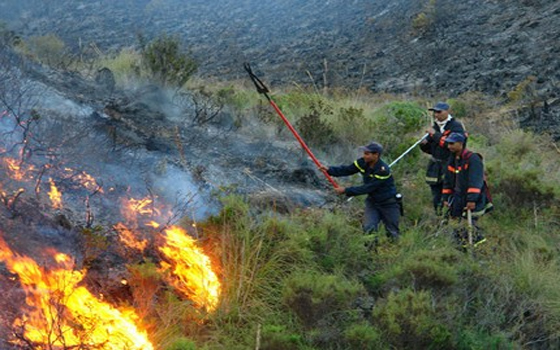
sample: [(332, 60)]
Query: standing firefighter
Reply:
[(434, 144), (464, 187), (378, 184)]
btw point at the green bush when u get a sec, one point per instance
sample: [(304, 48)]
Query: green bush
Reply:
[(472, 339), (432, 269), (276, 337), (167, 63), (364, 337), (313, 127), (353, 127), (409, 320), (409, 116), (470, 105), (313, 296), (48, 49), (517, 174)]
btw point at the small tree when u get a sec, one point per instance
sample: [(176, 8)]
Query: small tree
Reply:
[(165, 61)]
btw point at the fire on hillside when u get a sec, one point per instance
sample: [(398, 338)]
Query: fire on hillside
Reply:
[(59, 311)]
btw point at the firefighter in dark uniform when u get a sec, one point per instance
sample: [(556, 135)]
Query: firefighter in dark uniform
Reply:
[(434, 144), (464, 186), (378, 184)]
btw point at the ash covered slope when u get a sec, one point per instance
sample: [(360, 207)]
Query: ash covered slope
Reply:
[(487, 46), (140, 141)]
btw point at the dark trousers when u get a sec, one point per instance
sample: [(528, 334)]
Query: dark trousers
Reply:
[(387, 212), (436, 197)]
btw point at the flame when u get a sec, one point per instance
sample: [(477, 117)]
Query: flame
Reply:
[(192, 269), (153, 224), (55, 195), (129, 238), (132, 208), (18, 171), (86, 180), (63, 315)]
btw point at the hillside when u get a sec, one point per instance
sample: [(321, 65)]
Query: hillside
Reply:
[(487, 46), (136, 214)]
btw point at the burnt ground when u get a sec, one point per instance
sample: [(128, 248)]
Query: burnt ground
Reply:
[(488, 46)]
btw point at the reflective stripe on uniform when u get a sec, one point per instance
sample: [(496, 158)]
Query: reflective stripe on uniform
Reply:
[(358, 166), (382, 177)]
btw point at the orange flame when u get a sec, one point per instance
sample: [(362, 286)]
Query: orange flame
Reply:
[(65, 315), (192, 270), (129, 238), (133, 208), (18, 171), (55, 196), (86, 180)]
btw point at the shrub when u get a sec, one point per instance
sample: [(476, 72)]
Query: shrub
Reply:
[(166, 62), (313, 296), (279, 338), (363, 336), (432, 269), (517, 174), (424, 20), (410, 321), (523, 92), (314, 129), (48, 49), (353, 127), (470, 105)]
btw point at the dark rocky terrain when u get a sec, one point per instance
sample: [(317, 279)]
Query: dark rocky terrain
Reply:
[(487, 46)]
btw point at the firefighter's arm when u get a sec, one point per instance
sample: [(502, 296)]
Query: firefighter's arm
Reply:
[(379, 178), (476, 178), (447, 188), (343, 170)]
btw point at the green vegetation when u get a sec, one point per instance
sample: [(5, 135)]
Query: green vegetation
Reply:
[(425, 19), (47, 49), (307, 280), (167, 64)]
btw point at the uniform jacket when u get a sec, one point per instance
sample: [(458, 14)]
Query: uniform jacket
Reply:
[(378, 182), (464, 182), (438, 149)]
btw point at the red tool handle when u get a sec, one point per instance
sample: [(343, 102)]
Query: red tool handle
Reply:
[(302, 143)]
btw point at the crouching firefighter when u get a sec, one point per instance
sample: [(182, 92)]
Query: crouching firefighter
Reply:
[(464, 187), (378, 183)]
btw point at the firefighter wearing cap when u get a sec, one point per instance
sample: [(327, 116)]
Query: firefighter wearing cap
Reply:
[(434, 144), (463, 184), (378, 184), (464, 187)]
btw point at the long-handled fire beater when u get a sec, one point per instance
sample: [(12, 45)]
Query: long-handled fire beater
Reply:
[(408, 150), (262, 89)]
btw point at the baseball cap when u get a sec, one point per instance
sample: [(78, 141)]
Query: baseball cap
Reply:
[(440, 106), (373, 147), (455, 137)]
